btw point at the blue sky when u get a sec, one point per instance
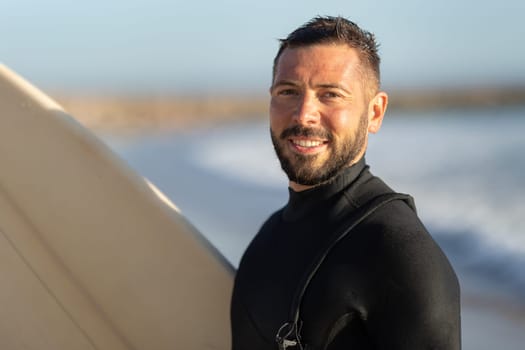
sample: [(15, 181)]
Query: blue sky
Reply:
[(160, 46)]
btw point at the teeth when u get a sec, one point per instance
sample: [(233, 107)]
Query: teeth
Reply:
[(307, 143)]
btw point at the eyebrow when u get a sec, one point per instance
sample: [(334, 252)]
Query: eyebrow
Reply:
[(334, 86), (284, 83), (323, 86)]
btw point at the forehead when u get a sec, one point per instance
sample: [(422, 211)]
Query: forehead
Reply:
[(335, 62)]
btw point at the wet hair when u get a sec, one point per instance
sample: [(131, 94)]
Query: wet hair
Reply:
[(337, 30)]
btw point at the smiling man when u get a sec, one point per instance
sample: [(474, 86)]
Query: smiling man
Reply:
[(346, 264)]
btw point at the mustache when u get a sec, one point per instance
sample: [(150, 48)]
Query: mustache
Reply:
[(302, 131)]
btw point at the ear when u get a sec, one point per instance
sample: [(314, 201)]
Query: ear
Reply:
[(376, 111)]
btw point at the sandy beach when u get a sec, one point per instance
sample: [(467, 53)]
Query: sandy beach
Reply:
[(124, 113)]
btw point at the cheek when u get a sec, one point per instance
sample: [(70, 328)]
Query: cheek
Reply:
[(347, 119), (276, 126), (278, 117), (341, 123)]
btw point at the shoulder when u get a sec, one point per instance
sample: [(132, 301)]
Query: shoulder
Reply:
[(394, 244), (257, 249), (413, 265), (394, 227), (270, 225), (401, 238)]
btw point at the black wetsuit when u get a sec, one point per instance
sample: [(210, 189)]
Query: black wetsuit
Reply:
[(387, 285)]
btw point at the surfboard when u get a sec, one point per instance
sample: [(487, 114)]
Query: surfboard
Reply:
[(92, 255)]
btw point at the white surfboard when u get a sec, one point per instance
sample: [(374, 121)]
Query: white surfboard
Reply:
[(91, 255)]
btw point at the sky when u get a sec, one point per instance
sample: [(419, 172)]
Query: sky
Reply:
[(165, 46)]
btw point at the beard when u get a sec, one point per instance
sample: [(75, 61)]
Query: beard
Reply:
[(310, 170)]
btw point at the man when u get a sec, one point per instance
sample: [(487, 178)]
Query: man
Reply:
[(338, 267)]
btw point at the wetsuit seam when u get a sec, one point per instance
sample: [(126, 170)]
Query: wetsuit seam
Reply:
[(350, 200)]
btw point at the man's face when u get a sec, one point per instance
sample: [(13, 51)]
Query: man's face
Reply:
[(319, 112)]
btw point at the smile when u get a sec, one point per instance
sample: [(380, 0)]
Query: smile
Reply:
[(307, 143), (306, 146)]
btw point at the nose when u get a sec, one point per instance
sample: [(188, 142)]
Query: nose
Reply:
[(307, 111)]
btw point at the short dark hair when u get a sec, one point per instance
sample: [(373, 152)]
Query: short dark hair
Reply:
[(337, 30)]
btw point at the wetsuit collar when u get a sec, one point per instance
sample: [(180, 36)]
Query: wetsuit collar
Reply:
[(302, 203)]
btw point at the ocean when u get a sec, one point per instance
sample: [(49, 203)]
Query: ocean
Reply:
[(465, 169)]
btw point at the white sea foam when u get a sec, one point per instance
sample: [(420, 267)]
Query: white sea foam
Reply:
[(243, 153)]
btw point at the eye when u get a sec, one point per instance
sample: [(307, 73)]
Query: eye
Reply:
[(330, 94), (287, 92)]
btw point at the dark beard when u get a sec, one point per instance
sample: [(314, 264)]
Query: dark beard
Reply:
[(299, 168)]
